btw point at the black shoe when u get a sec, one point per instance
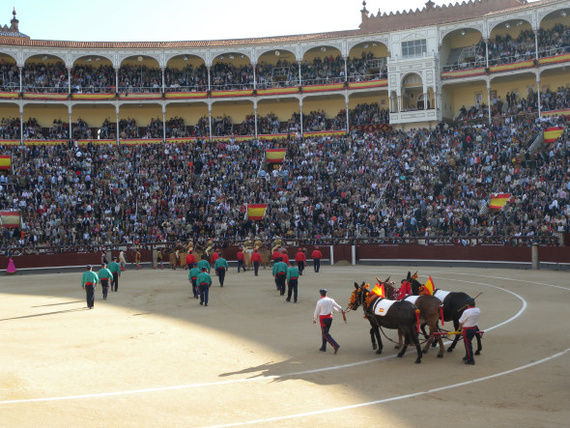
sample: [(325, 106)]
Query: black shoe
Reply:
[(287, 300), (470, 362), (322, 350), (201, 303), (464, 358), (206, 304), (336, 350)]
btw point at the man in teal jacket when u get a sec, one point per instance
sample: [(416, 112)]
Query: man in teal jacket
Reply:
[(221, 266), (280, 274), (204, 282), (115, 269), (292, 283), (89, 281), (105, 276)]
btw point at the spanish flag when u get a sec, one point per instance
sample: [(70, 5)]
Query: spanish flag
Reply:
[(498, 200), (275, 155), (552, 134), (256, 211), (5, 163), (429, 286), (379, 289), (10, 219)]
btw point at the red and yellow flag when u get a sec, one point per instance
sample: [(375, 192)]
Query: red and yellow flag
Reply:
[(552, 134), (429, 286), (256, 211), (5, 163), (498, 200), (275, 155), (379, 290), (10, 219)]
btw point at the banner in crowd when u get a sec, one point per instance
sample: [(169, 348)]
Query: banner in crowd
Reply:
[(552, 134), (512, 66), (5, 163), (498, 200), (234, 93), (554, 59), (324, 133), (278, 91), (10, 219), (9, 94), (44, 96), (275, 155), (368, 84), (182, 95), (256, 211), (322, 88), (9, 142), (464, 73), (107, 96), (136, 142), (141, 96)]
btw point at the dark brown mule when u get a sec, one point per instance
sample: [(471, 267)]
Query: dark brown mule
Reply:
[(401, 315), (454, 304), (429, 307)]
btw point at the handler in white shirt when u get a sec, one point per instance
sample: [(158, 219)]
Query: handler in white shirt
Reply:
[(323, 312)]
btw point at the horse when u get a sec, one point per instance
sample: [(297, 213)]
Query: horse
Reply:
[(401, 315), (454, 303), (429, 307)]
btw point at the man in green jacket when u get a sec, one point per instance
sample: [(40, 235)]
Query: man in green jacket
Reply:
[(89, 281), (115, 269), (204, 282), (193, 278), (280, 274), (292, 283), (204, 263), (105, 276), (221, 266)]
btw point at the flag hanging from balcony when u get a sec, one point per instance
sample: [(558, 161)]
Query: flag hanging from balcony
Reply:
[(10, 219), (256, 211), (552, 134), (498, 200), (5, 163), (275, 155)]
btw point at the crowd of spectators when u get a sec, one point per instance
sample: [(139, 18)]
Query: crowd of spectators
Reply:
[(381, 184), (508, 49), (53, 77)]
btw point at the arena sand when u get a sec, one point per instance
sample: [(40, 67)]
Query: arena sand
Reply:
[(151, 356)]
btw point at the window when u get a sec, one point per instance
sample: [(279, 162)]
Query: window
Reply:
[(414, 48)]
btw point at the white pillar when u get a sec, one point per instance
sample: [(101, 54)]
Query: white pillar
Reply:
[(332, 254), (353, 248)]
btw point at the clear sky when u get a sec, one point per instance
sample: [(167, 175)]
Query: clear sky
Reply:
[(174, 20)]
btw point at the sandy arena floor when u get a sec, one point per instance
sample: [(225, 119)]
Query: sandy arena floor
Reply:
[(151, 356)]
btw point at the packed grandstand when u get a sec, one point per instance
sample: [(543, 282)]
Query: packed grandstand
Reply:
[(384, 138)]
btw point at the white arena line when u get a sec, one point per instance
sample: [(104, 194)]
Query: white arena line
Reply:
[(387, 400)]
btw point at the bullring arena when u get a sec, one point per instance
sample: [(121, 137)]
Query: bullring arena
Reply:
[(150, 355)]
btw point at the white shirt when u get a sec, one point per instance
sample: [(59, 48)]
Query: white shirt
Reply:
[(325, 306), (470, 317)]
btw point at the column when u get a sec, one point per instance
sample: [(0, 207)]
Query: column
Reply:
[(347, 114), (70, 136), (301, 116), (163, 80), (255, 117), (163, 117), (118, 127), (117, 90), (21, 122), (254, 82), (69, 88), (209, 113), (489, 99), (538, 94)]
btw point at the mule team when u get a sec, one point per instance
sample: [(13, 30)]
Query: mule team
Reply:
[(411, 310)]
